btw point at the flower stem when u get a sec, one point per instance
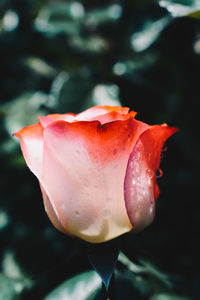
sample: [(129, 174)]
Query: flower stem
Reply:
[(110, 293)]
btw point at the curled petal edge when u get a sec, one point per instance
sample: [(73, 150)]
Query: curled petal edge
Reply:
[(140, 186)]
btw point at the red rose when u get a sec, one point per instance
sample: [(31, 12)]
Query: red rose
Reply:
[(96, 170)]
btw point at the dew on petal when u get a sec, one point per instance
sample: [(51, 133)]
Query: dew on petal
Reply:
[(150, 173), (159, 173), (133, 181), (150, 209), (77, 213), (131, 164), (164, 149), (144, 192)]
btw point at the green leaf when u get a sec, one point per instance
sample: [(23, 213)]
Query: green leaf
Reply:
[(100, 16), (69, 92), (130, 265), (59, 17), (103, 258), (189, 8), (105, 94), (4, 219), (150, 32), (23, 110), (93, 44), (79, 287), (145, 268), (167, 296), (12, 279), (7, 288), (195, 14)]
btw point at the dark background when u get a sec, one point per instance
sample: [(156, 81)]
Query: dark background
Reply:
[(65, 56)]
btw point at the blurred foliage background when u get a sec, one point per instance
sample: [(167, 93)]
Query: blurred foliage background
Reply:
[(64, 56)]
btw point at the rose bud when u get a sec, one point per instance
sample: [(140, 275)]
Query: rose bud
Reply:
[(96, 169)]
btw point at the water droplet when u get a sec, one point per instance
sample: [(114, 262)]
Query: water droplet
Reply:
[(131, 164), (106, 213), (144, 192), (133, 181), (151, 209), (77, 213), (159, 173), (150, 173), (138, 156), (164, 149)]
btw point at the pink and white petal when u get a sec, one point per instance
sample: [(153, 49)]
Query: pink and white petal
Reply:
[(45, 121), (51, 212), (113, 116), (94, 112), (31, 140), (84, 170), (140, 187)]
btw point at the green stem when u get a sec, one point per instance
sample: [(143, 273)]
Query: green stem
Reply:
[(110, 293)]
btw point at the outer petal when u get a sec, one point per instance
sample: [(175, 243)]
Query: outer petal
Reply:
[(45, 121), (140, 185), (104, 114), (94, 112), (51, 212), (84, 170), (113, 116), (31, 140)]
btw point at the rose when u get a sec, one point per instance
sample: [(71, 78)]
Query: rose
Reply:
[(96, 170)]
